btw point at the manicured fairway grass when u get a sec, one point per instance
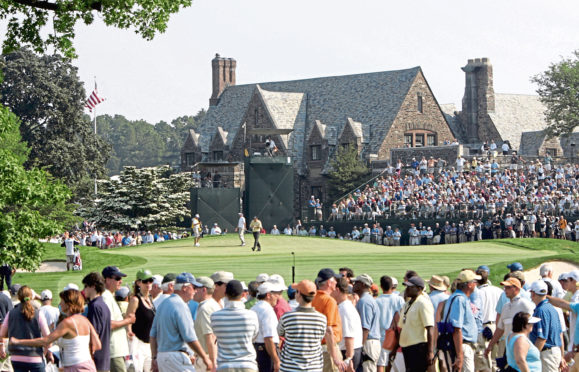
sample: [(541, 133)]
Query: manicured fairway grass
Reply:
[(311, 254)]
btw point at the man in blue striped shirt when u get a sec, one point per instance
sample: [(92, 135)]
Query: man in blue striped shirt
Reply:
[(235, 328)]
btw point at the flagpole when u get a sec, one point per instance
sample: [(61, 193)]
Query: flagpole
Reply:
[(95, 140)]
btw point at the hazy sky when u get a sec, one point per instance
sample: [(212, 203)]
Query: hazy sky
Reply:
[(275, 41)]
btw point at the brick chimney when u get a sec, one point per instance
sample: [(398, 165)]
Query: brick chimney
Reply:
[(223, 70), (479, 96)]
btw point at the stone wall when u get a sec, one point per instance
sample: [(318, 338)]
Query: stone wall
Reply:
[(409, 118), (447, 153)]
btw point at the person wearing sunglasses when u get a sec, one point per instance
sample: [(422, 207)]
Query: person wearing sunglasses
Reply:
[(142, 308)]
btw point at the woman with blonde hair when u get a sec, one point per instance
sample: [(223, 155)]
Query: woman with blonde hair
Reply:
[(24, 321), (76, 337)]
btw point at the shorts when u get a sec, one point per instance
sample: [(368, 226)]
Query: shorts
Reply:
[(70, 259), (196, 233)]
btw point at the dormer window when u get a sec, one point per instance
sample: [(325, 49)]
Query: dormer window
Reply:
[(316, 152)]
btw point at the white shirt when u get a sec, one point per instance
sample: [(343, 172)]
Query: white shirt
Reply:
[(573, 320), (267, 322), (241, 223), (274, 232), (51, 315), (489, 296), (351, 324), (287, 231), (216, 230), (510, 309)]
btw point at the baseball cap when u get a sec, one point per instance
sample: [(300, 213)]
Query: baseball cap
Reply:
[(122, 292), (539, 287), (46, 295), (277, 281), (14, 288), (144, 274), (534, 319), (415, 281), (291, 291), (170, 277), (266, 287), (364, 279), (512, 282), (262, 278), (437, 282), (205, 282), (305, 287), (234, 288), (222, 276), (326, 274), (112, 271), (187, 278), (71, 286), (394, 281), (157, 279), (515, 266), (572, 275), (484, 268), (466, 276), (519, 275)]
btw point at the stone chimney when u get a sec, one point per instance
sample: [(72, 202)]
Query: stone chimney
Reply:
[(223, 70), (479, 96)]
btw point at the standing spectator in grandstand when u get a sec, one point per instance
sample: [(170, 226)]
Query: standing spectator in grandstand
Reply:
[(505, 147), (303, 329), (99, 316), (235, 328), (417, 324)]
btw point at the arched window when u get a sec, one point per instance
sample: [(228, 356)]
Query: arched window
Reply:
[(420, 138)]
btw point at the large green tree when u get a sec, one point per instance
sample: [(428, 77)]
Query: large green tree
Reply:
[(41, 24), (141, 198), (32, 204), (347, 171), (48, 97), (559, 92)]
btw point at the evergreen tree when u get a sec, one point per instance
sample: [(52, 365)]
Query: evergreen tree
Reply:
[(347, 171)]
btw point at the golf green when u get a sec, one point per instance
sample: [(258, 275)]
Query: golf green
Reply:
[(310, 254)]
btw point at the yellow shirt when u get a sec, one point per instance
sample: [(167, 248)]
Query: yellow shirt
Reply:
[(255, 225), (414, 319)]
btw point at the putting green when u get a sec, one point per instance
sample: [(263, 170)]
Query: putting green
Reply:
[(311, 254)]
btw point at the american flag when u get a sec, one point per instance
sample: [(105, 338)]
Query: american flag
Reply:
[(93, 100)]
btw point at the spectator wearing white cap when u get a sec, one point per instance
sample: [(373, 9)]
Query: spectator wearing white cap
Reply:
[(216, 230), (546, 334), (282, 306), (50, 312), (267, 340), (156, 289), (167, 286), (240, 228), (546, 272), (196, 229), (208, 304)]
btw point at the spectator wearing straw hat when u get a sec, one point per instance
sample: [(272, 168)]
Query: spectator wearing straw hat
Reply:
[(437, 290)]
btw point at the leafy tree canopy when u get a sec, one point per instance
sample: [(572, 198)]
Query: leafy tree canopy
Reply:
[(559, 92), (32, 204), (48, 97), (43, 24), (347, 171), (141, 199)]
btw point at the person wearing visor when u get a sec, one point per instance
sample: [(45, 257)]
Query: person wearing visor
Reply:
[(142, 308)]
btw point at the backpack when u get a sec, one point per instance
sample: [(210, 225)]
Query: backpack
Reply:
[(445, 332)]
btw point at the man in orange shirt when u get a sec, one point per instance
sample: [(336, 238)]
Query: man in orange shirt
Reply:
[(325, 304)]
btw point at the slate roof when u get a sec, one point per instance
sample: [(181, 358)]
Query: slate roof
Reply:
[(515, 113), (373, 99), (531, 142), (448, 110)]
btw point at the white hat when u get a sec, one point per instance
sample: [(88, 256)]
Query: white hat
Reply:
[(266, 287), (539, 287), (534, 319), (158, 280), (244, 286), (262, 278), (394, 281), (572, 275), (278, 282), (46, 295), (71, 286)]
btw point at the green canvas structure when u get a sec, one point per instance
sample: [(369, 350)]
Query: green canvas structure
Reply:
[(220, 205)]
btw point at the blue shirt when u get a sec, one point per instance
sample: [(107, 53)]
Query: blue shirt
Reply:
[(476, 300), (436, 297), (461, 315), (389, 305), (193, 305), (173, 325), (370, 315), (549, 328), (575, 308), (533, 355)]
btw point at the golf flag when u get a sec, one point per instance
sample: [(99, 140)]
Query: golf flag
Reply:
[(93, 100)]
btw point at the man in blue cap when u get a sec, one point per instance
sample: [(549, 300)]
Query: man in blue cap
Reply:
[(515, 266), (173, 330)]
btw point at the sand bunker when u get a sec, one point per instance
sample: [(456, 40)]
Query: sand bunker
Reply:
[(559, 267), (48, 267)]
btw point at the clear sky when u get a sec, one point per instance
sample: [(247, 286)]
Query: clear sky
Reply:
[(275, 41)]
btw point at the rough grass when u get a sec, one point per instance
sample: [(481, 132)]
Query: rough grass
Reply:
[(311, 254)]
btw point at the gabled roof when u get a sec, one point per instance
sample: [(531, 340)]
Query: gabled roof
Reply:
[(515, 113), (321, 128), (373, 99), (531, 142), (192, 140), (222, 135), (449, 112)]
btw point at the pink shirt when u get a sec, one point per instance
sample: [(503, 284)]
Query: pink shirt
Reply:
[(43, 330)]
